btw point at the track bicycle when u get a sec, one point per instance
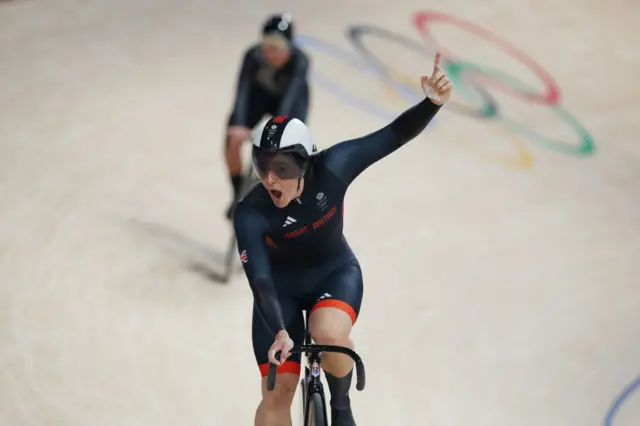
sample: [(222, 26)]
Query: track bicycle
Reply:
[(314, 407)]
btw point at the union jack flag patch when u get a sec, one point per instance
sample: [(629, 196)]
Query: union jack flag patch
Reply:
[(243, 256)]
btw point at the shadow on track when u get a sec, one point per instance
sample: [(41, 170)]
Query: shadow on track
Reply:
[(213, 264)]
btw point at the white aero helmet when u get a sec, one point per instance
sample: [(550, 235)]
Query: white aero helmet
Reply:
[(286, 138)]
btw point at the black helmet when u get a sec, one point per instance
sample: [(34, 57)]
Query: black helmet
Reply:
[(279, 24)]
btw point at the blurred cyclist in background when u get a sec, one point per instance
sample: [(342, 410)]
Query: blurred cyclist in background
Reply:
[(272, 80)]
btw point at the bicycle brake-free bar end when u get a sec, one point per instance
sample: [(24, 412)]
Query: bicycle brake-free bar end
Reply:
[(271, 375), (360, 376)]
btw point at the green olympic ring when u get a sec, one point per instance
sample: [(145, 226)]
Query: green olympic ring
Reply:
[(585, 147), (473, 90), (356, 35), (461, 73)]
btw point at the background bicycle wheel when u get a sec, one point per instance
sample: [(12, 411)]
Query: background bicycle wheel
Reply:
[(500, 248)]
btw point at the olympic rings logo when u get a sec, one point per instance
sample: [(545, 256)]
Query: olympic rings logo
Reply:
[(476, 83)]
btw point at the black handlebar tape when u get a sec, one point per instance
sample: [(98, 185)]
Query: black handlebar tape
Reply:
[(360, 375), (271, 376)]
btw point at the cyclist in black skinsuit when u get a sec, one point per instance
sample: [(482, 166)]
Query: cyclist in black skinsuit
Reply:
[(272, 81), (290, 240)]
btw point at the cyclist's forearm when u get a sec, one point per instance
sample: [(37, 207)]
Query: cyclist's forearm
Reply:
[(266, 300), (412, 122)]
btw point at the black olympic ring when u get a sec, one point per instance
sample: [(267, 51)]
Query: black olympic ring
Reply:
[(488, 111)]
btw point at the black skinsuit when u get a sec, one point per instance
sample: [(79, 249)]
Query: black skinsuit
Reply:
[(263, 90), (297, 258)]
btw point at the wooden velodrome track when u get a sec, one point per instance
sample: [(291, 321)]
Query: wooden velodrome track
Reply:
[(501, 261)]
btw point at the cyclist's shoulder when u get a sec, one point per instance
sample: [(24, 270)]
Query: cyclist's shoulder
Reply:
[(324, 167), (251, 53), (324, 159), (334, 162)]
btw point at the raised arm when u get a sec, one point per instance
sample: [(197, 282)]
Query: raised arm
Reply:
[(350, 158), (250, 229)]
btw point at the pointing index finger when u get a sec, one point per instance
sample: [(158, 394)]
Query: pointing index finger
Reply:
[(436, 63)]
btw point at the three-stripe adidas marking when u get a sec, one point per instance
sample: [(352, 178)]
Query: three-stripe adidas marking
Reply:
[(324, 296), (289, 221)]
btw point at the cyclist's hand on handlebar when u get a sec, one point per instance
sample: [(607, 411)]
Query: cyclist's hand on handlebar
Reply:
[(240, 132), (284, 344)]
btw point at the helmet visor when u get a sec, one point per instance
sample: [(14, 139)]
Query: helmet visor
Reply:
[(285, 165)]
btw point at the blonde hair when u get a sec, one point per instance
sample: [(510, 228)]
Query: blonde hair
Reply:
[(275, 39)]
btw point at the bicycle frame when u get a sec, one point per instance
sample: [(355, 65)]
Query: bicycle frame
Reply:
[(311, 383)]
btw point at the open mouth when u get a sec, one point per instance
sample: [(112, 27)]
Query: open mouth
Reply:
[(276, 194)]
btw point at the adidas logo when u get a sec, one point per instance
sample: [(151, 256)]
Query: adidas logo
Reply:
[(289, 221), (324, 296)]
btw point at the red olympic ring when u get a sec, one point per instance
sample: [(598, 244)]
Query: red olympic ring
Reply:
[(552, 91)]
